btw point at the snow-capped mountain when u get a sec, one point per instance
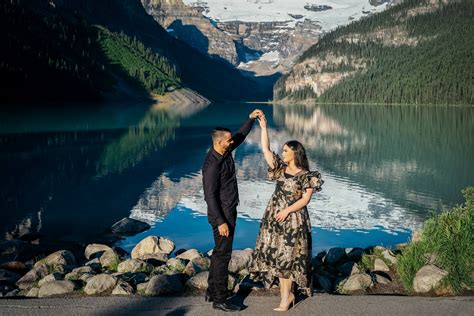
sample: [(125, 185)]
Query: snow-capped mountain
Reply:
[(261, 37), (329, 13)]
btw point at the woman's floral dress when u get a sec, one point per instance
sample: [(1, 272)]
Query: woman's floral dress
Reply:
[(284, 249)]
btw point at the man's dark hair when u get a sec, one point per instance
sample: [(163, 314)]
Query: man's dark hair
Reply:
[(218, 132)]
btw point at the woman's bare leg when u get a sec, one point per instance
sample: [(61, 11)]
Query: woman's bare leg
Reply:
[(286, 296)]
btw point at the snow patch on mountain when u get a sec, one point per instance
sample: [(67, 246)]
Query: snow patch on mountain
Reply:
[(341, 12)]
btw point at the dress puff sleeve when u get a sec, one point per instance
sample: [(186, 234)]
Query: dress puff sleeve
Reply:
[(278, 168), (312, 179)]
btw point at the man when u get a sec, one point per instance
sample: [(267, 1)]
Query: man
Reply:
[(222, 197)]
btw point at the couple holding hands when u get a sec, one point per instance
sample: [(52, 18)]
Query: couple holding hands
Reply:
[(283, 248)]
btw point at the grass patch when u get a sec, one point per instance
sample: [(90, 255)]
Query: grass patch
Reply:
[(450, 237)]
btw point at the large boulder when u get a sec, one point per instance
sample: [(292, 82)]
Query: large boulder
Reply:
[(33, 292), (76, 273), (335, 256), (324, 283), (100, 284), (164, 284), (132, 277), (239, 260), (122, 288), (380, 265), (189, 254), (196, 266), (134, 265), (356, 282), (129, 226), (8, 277), (56, 288), (428, 278), (95, 251), (389, 256), (61, 261), (55, 276), (355, 254), (35, 274), (94, 264), (152, 245), (14, 266), (176, 265), (199, 281), (109, 259), (348, 268)]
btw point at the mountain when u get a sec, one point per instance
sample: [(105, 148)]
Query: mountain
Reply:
[(418, 52), (85, 50), (259, 36)]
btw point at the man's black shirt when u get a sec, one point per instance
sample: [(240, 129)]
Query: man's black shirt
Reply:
[(220, 182)]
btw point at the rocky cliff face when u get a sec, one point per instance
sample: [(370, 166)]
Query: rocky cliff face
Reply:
[(234, 41), (189, 25)]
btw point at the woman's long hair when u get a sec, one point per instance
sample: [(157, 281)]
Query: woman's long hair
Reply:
[(301, 161)]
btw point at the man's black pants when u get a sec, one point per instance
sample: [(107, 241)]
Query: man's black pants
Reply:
[(219, 269)]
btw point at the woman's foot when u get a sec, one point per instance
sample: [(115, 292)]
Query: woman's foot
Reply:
[(284, 306)]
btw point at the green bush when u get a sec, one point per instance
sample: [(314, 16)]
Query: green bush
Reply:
[(449, 238)]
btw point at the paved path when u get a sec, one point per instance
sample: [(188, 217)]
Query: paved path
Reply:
[(320, 304)]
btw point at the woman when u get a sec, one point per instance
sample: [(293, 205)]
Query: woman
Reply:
[(283, 248)]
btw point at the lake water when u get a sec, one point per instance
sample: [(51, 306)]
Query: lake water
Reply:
[(70, 174)]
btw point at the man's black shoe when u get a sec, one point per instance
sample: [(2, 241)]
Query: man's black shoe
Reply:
[(226, 307), (207, 298)]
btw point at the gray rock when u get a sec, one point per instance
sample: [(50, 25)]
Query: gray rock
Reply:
[(381, 279), (196, 266), (164, 284), (32, 276), (55, 276), (357, 282), (156, 259), (335, 256), (141, 287), (33, 292), (109, 259), (175, 264), (348, 268), (428, 278), (189, 254), (12, 293), (134, 265), (56, 288), (389, 256), (152, 245), (14, 266), (199, 281), (100, 284), (239, 260), (132, 277), (324, 283), (8, 277), (231, 282), (86, 277), (355, 254), (76, 273), (94, 264), (380, 265), (95, 250), (129, 226), (122, 288), (61, 261)]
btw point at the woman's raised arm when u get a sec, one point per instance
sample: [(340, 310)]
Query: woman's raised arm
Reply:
[(267, 153)]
